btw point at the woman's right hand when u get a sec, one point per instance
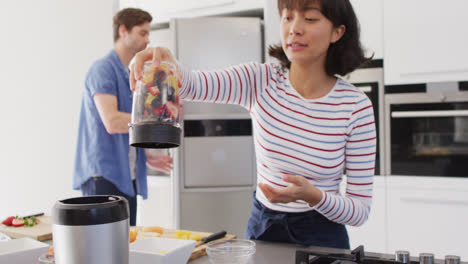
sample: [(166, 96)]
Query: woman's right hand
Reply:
[(154, 54), (298, 189)]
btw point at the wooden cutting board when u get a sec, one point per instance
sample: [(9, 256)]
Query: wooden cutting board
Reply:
[(198, 251), (41, 232)]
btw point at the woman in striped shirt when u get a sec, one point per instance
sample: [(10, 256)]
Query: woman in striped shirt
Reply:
[(310, 127)]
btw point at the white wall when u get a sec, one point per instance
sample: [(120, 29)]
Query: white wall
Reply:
[(272, 24), (46, 48)]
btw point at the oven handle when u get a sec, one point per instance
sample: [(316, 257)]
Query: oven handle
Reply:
[(446, 113), (365, 88)]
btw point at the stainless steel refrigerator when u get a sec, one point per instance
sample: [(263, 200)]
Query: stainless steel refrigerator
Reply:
[(214, 174)]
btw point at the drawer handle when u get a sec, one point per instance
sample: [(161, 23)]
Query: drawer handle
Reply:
[(434, 201), (447, 113)]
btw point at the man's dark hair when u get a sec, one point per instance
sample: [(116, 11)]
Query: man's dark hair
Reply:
[(343, 56), (129, 17)]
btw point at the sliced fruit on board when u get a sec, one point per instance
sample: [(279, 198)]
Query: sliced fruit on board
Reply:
[(17, 222), (8, 221)]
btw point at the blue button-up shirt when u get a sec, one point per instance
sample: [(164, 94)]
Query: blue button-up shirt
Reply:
[(99, 153)]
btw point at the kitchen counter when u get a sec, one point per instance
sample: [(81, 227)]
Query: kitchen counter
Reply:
[(268, 252)]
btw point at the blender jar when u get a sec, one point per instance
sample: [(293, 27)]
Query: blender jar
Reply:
[(156, 108)]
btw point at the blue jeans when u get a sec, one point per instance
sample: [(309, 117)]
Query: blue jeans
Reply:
[(307, 228), (101, 186)]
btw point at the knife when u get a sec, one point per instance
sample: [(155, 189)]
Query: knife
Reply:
[(35, 215), (212, 237)]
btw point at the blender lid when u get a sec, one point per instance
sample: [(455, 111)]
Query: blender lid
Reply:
[(90, 210)]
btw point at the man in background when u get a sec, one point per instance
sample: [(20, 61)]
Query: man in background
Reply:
[(105, 164)]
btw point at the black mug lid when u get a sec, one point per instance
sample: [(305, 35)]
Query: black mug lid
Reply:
[(90, 210)]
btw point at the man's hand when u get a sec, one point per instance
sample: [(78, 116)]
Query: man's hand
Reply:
[(159, 162), (299, 189), (154, 54)]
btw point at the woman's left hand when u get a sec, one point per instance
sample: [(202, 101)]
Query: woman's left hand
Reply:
[(299, 189)]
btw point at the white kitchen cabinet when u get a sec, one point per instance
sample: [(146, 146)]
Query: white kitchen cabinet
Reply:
[(373, 233), (425, 41), (370, 15), (428, 214), (163, 10), (418, 214)]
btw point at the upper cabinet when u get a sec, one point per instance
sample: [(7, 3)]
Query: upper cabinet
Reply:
[(425, 41), (370, 15), (163, 10)]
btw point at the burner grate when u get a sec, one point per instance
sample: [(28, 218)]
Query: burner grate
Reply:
[(355, 257)]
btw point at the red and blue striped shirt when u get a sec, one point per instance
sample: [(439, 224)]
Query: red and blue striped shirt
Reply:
[(319, 139)]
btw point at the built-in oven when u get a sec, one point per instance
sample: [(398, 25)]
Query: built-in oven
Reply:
[(369, 79), (427, 134)]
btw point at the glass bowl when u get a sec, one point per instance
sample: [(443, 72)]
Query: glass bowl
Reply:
[(46, 259), (230, 251)]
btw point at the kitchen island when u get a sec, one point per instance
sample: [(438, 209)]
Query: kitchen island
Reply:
[(269, 252)]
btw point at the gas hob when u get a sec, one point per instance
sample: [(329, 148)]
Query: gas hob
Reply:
[(358, 256)]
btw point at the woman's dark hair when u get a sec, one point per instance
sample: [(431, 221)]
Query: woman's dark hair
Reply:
[(343, 56), (129, 17)]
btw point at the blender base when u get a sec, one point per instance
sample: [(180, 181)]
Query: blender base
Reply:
[(154, 136)]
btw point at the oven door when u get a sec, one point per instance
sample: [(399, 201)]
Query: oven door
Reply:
[(371, 90), (370, 81), (427, 134)]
